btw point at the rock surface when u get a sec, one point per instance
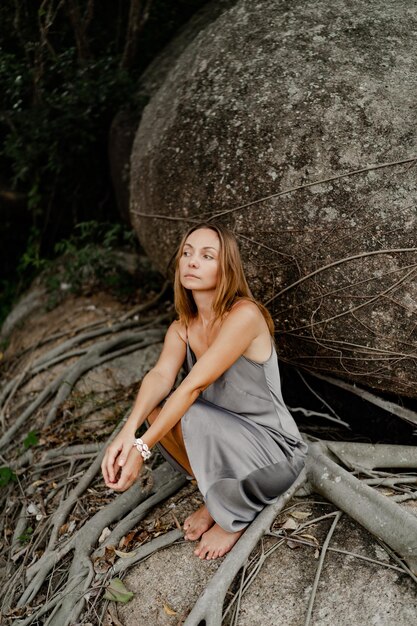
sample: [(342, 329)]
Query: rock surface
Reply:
[(299, 102), (350, 591)]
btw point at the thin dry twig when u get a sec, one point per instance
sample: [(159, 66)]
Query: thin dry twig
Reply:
[(320, 567)]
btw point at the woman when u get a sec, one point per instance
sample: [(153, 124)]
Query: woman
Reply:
[(226, 424)]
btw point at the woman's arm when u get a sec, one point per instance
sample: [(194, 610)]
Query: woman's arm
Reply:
[(242, 325), (155, 386)]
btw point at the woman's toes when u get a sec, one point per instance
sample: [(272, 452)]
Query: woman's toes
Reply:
[(204, 552)]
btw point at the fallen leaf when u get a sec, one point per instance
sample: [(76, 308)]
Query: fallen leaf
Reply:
[(300, 514), (124, 541), (168, 610), (105, 533), (292, 544), (290, 524), (123, 555), (117, 592), (316, 553), (37, 483), (314, 539)]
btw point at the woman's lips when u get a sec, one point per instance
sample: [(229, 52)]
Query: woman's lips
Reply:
[(190, 276)]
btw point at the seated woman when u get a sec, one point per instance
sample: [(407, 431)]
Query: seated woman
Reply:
[(226, 424)]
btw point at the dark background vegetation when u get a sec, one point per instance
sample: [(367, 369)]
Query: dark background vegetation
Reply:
[(66, 68)]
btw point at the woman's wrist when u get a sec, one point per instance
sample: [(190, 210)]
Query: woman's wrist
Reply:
[(142, 448), (132, 423)]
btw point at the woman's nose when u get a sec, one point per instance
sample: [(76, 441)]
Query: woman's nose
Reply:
[(193, 261)]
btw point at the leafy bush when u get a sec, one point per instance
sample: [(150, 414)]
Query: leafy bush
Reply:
[(57, 101), (88, 260)]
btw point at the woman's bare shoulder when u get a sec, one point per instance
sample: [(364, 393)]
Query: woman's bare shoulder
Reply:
[(178, 328), (247, 307)]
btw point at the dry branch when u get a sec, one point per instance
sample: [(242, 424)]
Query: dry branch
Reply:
[(320, 567)]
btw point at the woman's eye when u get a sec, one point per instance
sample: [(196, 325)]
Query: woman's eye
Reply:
[(207, 256)]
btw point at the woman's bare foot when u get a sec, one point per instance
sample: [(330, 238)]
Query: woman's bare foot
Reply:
[(216, 542), (197, 523)]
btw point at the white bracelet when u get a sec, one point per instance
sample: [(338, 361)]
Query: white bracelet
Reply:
[(142, 448)]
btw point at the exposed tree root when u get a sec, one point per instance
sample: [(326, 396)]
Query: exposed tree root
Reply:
[(64, 383), (73, 603), (369, 456), (386, 405), (66, 561), (209, 605), (383, 518), (96, 356)]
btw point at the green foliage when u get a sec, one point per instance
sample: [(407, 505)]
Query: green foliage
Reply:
[(26, 535), (87, 261), (62, 82), (7, 476), (56, 147), (117, 592), (30, 440), (31, 258), (57, 101)]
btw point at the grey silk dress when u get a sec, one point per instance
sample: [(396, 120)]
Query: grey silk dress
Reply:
[(242, 443)]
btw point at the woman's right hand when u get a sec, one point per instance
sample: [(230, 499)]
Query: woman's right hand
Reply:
[(116, 454)]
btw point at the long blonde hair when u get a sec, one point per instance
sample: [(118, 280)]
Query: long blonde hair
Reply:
[(231, 286)]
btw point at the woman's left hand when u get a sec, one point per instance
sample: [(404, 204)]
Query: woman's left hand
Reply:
[(129, 471)]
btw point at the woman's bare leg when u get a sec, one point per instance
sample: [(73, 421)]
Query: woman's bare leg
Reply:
[(198, 522), (173, 442)]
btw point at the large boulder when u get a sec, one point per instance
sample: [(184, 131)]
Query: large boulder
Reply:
[(293, 124)]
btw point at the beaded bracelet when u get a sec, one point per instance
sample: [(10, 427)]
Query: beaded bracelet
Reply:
[(142, 448)]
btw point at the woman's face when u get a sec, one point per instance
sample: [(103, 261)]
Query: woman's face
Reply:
[(199, 261)]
